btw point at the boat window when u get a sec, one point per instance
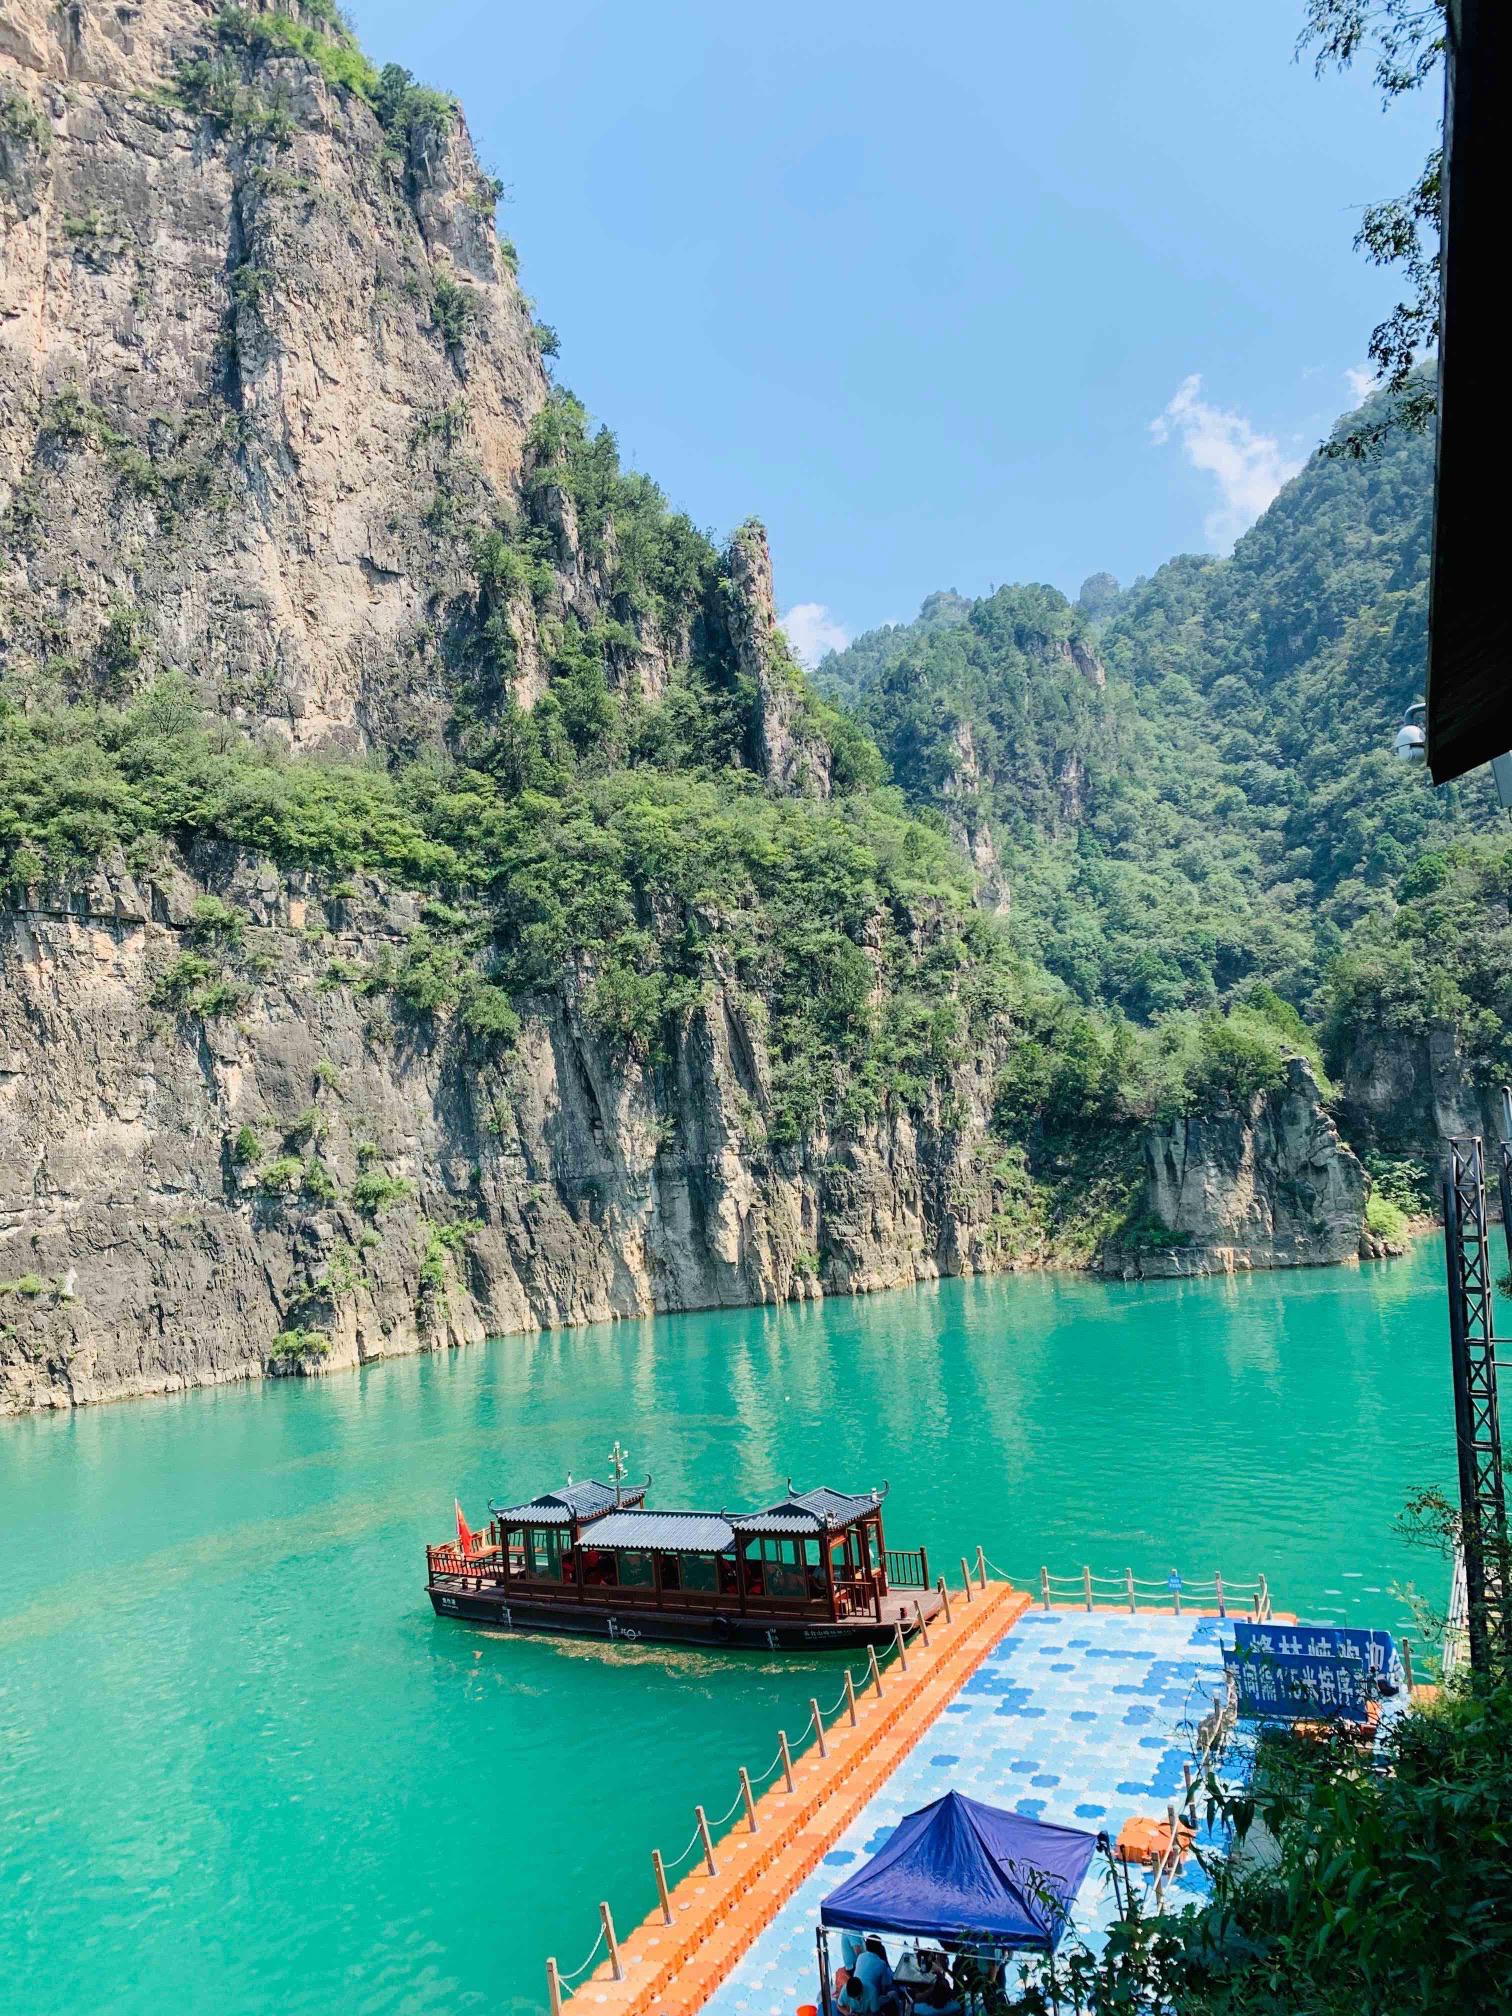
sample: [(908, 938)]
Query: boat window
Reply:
[(516, 1539), (636, 1571), (701, 1571), (600, 1568), (544, 1558), (811, 1553), (669, 1571)]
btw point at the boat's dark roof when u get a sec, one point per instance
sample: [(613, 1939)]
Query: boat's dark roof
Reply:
[(573, 1501), (592, 1504), (820, 1511), (668, 1532)]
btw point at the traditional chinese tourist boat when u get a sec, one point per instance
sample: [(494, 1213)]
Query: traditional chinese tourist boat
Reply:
[(811, 1571)]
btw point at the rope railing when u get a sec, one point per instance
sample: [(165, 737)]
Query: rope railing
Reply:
[(702, 1842), (559, 1982), (1132, 1592)]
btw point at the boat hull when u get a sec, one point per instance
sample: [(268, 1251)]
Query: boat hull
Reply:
[(724, 1632)]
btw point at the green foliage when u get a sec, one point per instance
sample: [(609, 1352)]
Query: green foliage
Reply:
[(487, 1012), (414, 116), (1435, 956), (1381, 1885), (325, 43), (1403, 1180), (452, 310), (194, 985), (247, 1148), (20, 121), (1407, 40), (280, 1176), (28, 1286), (375, 1190), (212, 87), (294, 1347), (212, 921), (1386, 1220), (248, 284)]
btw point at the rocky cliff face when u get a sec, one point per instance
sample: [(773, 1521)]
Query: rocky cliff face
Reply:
[(191, 1201), (1268, 1185), (258, 352), (1406, 1094)]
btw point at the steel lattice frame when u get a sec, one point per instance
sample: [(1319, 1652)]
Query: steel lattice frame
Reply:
[(1483, 1503)]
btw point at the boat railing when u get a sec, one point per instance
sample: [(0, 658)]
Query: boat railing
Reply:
[(908, 1568), (857, 1599), (486, 1564)]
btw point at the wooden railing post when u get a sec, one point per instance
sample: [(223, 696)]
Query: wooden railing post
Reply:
[(1129, 1585), (1045, 1587), (945, 1598), (787, 1758), (703, 1834), (611, 1941), (924, 1566), (1087, 1584), (876, 1671), (660, 1869), (919, 1614), (1218, 1579), (553, 1988), (818, 1721), (966, 1577), (1407, 1663), (899, 1648), (850, 1696), (745, 1793), (981, 1569), (1186, 1779), (1176, 1592)]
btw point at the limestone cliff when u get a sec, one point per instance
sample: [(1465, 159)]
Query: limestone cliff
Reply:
[(1268, 1184), (188, 1200)]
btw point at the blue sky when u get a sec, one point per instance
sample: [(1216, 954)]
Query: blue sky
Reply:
[(917, 285)]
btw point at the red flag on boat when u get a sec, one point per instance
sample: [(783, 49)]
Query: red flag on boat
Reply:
[(465, 1538)]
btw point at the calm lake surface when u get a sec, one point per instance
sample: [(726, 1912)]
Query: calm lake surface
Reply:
[(243, 1768)]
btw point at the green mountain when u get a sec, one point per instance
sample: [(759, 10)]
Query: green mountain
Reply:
[(1186, 789)]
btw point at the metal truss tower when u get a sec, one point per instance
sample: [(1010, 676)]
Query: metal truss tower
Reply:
[(1483, 1502)]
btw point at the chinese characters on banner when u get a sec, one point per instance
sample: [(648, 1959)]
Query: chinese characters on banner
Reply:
[(1300, 1690), (1317, 1641), (1308, 1672)]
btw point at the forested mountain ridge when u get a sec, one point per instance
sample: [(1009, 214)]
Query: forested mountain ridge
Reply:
[(1185, 790)]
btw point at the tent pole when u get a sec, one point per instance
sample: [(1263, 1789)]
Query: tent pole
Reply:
[(826, 1993)]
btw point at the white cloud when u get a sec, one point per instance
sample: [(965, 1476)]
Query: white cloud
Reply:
[(1249, 468), (812, 630), (1361, 380)]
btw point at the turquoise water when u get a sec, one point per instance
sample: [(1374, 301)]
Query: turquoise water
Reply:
[(243, 1768)]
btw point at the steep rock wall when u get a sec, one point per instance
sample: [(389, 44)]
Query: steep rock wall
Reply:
[(238, 369), (145, 1245), (1267, 1185)]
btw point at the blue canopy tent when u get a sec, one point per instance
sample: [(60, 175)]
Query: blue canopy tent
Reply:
[(967, 1875)]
